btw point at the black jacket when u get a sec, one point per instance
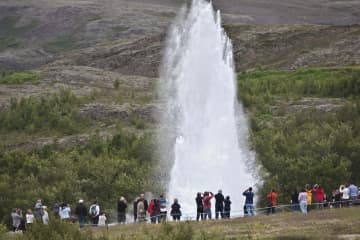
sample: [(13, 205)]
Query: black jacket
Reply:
[(81, 210), (121, 207)]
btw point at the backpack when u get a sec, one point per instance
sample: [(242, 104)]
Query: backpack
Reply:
[(93, 211)]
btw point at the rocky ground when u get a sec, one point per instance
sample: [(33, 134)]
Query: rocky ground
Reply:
[(111, 50)]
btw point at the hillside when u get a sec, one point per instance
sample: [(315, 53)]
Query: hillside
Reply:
[(78, 98)]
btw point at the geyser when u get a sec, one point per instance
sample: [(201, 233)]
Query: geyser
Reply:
[(202, 114)]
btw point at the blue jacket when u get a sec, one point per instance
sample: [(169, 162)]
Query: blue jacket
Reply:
[(249, 197)]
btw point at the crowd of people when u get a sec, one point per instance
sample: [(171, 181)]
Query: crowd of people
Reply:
[(157, 209)]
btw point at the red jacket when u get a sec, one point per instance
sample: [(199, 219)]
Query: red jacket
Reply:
[(207, 201), (319, 194), (272, 198)]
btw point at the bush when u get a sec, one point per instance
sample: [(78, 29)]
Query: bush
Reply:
[(18, 77)]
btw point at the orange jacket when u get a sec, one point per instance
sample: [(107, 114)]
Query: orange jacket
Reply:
[(272, 198)]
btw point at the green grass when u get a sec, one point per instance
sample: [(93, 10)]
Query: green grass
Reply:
[(326, 224), (18, 77)]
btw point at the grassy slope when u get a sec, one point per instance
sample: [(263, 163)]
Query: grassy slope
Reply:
[(326, 224)]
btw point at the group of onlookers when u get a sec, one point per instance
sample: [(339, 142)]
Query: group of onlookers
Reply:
[(203, 205), (21, 222), (302, 201)]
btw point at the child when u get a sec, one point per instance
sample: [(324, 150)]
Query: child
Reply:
[(102, 219), (29, 217)]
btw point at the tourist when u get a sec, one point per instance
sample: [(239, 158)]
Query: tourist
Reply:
[(227, 207), (94, 212), (272, 202), (141, 212), (154, 210), (309, 196), (319, 195), (45, 215), (121, 210), (81, 213), (303, 200), (207, 204), (249, 201), (175, 210), (142, 198), (295, 201), (38, 210), (199, 207), (56, 209), (29, 217), (219, 204), (16, 217), (65, 212), (102, 219), (345, 198), (163, 208), (353, 192), (135, 202)]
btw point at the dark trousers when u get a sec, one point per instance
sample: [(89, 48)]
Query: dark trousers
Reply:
[(95, 220), (199, 214), (82, 220), (270, 209), (226, 213), (121, 217), (219, 210)]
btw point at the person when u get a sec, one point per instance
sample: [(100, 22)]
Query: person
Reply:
[(146, 205), (121, 210), (38, 210), (45, 216), (319, 195), (154, 210), (81, 213), (94, 212), (227, 207), (353, 192), (344, 190), (16, 217), (336, 198), (199, 207), (175, 210), (295, 201), (135, 202), (272, 201), (207, 204), (141, 212), (249, 201), (309, 196), (219, 204), (102, 219), (56, 209), (29, 217), (65, 212), (303, 200), (163, 208)]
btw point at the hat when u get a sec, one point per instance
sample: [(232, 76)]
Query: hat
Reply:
[(81, 201)]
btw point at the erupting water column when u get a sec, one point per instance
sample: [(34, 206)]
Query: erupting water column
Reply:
[(198, 82)]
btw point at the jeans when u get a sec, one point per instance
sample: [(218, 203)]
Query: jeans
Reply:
[(82, 221), (207, 213), (250, 209), (303, 207)]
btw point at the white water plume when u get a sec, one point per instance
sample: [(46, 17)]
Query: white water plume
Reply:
[(208, 126)]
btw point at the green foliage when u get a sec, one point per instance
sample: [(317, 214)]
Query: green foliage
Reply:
[(100, 169), (57, 112), (18, 77), (295, 148)]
